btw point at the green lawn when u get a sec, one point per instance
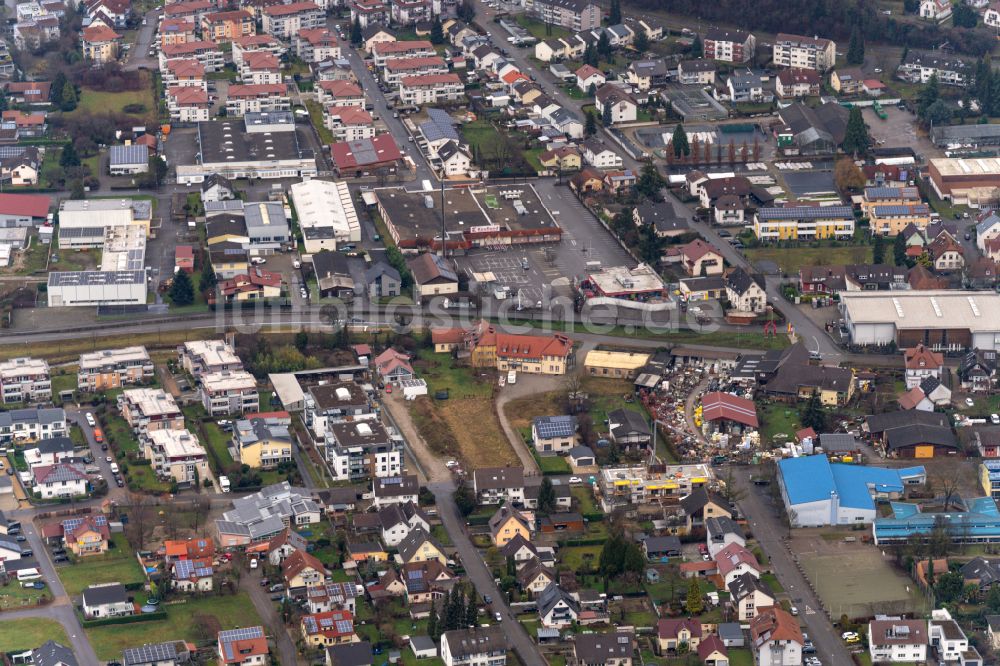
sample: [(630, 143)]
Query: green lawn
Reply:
[(552, 464), (573, 557), (118, 565), (64, 382), (539, 30), (182, 623), (316, 116), (29, 633), (13, 596), (118, 432), (94, 101), (481, 134), (584, 497), (772, 582), (790, 259), (214, 437), (777, 419), (441, 373), (742, 658)]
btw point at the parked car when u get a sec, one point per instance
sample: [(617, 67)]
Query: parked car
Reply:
[(60, 558), (277, 587), (90, 420)]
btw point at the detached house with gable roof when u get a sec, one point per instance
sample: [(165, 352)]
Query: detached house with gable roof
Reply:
[(495, 484), (776, 637), (922, 363)]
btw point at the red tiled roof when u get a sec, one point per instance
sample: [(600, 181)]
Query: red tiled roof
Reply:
[(430, 79), (261, 60), (256, 90), (183, 8), (447, 336), (587, 71), (921, 357), (381, 149), (179, 50), (415, 63), (774, 624), (294, 8), (33, 205), (732, 556), (341, 88), (385, 48), (99, 33), (671, 628), (718, 405), (187, 95), (350, 115), (255, 40), (186, 67)]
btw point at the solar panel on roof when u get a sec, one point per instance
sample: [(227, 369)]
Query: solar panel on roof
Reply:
[(806, 212), (345, 626)]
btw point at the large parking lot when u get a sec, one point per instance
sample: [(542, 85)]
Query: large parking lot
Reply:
[(551, 267), (899, 130)]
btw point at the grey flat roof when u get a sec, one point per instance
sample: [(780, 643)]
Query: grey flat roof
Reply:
[(226, 142), (96, 278)]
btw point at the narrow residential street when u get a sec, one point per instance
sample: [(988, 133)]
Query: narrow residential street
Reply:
[(250, 583), (765, 523)]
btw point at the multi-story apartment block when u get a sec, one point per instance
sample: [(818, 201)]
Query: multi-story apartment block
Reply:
[(383, 52), (113, 368), (184, 72), (285, 21), (729, 45), (431, 88), (575, 15), (147, 410), (100, 44), (188, 105), (207, 53), (29, 425), (25, 380), (340, 93), (805, 52), (395, 70), (227, 26), (257, 98), (919, 67), (408, 12), (201, 357), (363, 449), (624, 486), (261, 68), (253, 43), (333, 403), (263, 442), (369, 13), (349, 123), (177, 455), (890, 220), (478, 646), (176, 31), (229, 392), (316, 44), (804, 223)]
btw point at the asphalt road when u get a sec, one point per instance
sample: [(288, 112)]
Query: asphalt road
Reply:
[(482, 580), (250, 583), (763, 517)]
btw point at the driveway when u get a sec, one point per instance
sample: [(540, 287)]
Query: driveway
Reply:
[(767, 527)]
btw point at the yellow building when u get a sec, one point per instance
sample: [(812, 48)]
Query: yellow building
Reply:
[(888, 196), (419, 546), (804, 223), (506, 524), (227, 26), (891, 219), (262, 443), (616, 364), (533, 354), (566, 159), (334, 627), (100, 44)]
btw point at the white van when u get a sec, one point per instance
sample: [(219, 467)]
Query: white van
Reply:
[(114, 468)]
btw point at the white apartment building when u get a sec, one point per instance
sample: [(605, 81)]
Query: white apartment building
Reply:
[(29, 425), (177, 455), (200, 357), (25, 380), (147, 410), (897, 640), (806, 52), (257, 98), (229, 392), (349, 123), (399, 68), (431, 88), (285, 21), (113, 368), (358, 450)]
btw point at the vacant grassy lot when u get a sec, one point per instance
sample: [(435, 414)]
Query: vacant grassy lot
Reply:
[(574, 557), (184, 622), (539, 30), (95, 101), (778, 419), (29, 633), (13, 596), (444, 373), (117, 566), (790, 259), (481, 441)]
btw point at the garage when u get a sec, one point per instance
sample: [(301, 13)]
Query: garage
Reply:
[(920, 441)]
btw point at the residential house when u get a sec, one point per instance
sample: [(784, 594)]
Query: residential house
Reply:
[(628, 428), (776, 637), (556, 607), (746, 87), (977, 370), (727, 45), (896, 640), (920, 363), (327, 629), (474, 646), (697, 72), (301, 570), (553, 434), (623, 106), (397, 520), (61, 480), (493, 485), (599, 156), (747, 594), (432, 276), (804, 52), (797, 82), (702, 504), (506, 524), (106, 600), (534, 577), (606, 649), (721, 532), (263, 442), (395, 490), (745, 292), (935, 10), (85, 536), (672, 633), (242, 647), (382, 281), (587, 76), (949, 641), (420, 546), (661, 547), (735, 559), (713, 651), (192, 575)]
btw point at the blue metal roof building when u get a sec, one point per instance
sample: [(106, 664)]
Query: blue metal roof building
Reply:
[(979, 523), (817, 492)]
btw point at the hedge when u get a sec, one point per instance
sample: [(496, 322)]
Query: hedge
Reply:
[(126, 619), (593, 541)]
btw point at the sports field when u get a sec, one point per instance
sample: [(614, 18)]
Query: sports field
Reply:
[(859, 582)]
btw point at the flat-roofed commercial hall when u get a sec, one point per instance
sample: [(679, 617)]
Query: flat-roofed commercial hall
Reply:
[(950, 320), (473, 217), (971, 181)]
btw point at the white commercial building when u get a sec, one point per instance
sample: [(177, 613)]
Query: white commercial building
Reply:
[(94, 213), (941, 320), (94, 288), (326, 213), (124, 248)]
